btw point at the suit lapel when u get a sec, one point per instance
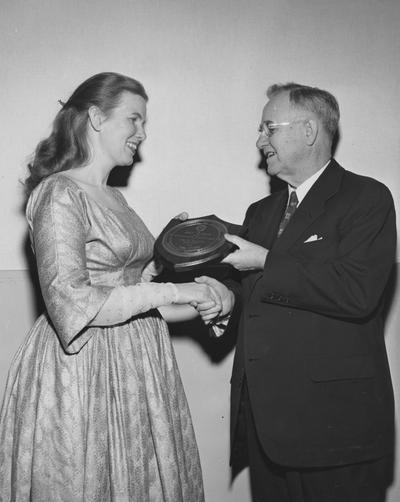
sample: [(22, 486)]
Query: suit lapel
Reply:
[(312, 206), (264, 227)]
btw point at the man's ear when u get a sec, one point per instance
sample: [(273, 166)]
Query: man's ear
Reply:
[(311, 128), (96, 117)]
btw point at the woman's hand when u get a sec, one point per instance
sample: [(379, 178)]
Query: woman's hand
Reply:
[(151, 270)]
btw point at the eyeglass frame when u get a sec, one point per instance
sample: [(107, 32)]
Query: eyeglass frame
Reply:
[(269, 128)]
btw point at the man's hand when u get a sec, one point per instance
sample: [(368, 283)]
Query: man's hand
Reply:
[(207, 314), (249, 256), (181, 216)]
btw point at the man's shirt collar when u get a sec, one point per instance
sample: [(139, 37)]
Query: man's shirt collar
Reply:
[(302, 190)]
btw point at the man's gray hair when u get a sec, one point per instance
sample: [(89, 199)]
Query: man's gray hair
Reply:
[(315, 100)]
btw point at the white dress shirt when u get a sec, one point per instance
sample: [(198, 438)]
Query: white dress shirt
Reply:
[(302, 190)]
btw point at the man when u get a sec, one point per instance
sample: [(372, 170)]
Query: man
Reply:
[(311, 381)]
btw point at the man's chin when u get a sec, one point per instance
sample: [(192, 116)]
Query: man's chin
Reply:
[(271, 169)]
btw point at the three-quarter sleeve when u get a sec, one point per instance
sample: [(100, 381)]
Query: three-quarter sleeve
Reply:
[(58, 227)]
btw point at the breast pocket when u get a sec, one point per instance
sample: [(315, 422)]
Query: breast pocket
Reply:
[(320, 250)]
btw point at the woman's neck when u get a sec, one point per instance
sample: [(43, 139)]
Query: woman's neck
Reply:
[(89, 176)]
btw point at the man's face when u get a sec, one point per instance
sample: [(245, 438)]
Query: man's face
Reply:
[(283, 146)]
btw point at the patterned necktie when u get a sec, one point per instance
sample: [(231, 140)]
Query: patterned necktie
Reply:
[(290, 209)]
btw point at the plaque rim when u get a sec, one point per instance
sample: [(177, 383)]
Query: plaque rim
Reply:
[(206, 259), (199, 257)]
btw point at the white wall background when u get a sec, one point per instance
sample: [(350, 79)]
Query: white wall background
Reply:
[(206, 65)]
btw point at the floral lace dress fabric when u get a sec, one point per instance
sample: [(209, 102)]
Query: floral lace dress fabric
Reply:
[(93, 414)]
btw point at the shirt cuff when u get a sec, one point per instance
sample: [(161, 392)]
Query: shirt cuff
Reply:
[(218, 327)]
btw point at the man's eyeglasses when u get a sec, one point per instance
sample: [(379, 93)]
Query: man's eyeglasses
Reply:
[(269, 128)]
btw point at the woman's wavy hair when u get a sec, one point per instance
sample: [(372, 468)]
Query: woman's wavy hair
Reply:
[(67, 145)]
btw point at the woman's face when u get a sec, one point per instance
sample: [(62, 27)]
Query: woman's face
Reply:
[(123, 130)]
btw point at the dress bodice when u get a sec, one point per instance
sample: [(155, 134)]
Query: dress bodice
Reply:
[(83, 250), (117, 242)]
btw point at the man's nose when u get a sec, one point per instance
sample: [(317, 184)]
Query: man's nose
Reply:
[(262, 140)]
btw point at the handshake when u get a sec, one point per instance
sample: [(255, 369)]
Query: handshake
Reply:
[(209, 297)]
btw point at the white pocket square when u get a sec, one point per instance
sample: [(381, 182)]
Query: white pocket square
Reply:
[(313, 238)]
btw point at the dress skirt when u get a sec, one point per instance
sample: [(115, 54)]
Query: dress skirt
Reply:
[(107, 424)]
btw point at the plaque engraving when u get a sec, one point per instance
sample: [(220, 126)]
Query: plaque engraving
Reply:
[(189, 244)]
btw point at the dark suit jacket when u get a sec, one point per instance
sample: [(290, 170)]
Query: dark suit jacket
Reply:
[(310, 336)]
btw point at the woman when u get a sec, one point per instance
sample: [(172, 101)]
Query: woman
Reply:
[(94, 409)]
